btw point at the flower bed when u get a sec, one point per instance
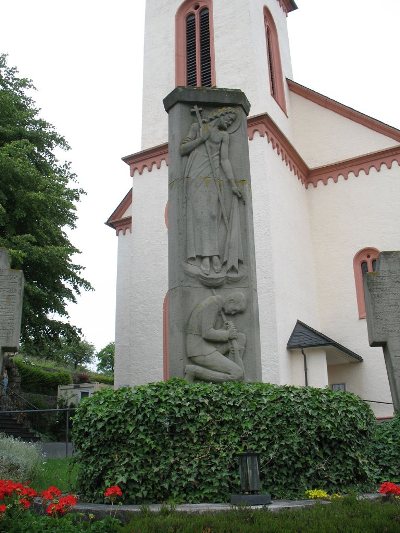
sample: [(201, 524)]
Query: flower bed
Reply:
[(16, 516)]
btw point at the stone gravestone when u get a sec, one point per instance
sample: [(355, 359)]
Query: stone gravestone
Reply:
[(11, 292), (212, 298), (382, 302)]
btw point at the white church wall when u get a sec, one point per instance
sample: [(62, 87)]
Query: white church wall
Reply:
[(149, 279), (285, 261), (346, 217), (297, 368), (158, 69), (317, 370), (264, 261), (322, 136), (123, 339), (241, 54)]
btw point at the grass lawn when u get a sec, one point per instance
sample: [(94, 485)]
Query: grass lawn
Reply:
[(347, 516), (58, 472)]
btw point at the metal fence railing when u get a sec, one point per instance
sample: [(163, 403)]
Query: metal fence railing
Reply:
[(49, 426)]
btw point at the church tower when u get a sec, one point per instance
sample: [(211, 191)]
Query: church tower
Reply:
[(246, 46), (303, 148), (238, 44)]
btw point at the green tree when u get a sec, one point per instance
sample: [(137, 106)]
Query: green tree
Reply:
[(37, 205), (77, 352), (106, 358)]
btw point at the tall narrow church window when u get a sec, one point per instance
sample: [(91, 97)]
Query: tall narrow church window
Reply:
[(364, 261), (191, 74), (194, 52), (274, 60)]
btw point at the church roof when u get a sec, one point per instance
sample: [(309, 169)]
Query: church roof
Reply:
[(304, 336), (121, 219), (344, 110)]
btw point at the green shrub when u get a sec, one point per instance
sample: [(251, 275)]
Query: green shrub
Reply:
[(102, 378), (37, 379), (40, 401), (179, 441), (19, 461), (385, 449)]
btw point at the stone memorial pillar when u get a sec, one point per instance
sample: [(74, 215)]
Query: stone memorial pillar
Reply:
[(213, 331), (382, 303), (11, 292)]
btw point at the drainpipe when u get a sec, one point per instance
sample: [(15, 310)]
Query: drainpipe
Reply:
[(305, 367)]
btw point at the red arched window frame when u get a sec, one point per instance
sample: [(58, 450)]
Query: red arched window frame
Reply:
[(274, 61), (190, 7), (364, 261)]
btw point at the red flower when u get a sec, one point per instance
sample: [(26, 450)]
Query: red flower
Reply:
[(52, 509), (68, 501), (389, 488), (3, 508), (28, 492), (51, 493), (25, 503), (112, 492), (8, 487), (62, 506)]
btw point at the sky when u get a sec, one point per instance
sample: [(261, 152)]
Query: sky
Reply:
[(85, 59)]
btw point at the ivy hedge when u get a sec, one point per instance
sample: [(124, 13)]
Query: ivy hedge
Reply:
[(385, 449), (176, 441), (38, 380)]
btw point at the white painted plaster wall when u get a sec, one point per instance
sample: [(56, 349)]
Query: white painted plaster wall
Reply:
[(323, 137), (346, 217), (241, 55), (146, 266), (123, 320), (240, 59), (264, 261), (285, 261), (158, 69), (317, 370)]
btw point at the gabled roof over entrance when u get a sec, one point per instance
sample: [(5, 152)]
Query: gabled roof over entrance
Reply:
[(304, 336)]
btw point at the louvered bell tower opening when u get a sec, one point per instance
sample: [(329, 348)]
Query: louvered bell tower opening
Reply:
[(198, 49)]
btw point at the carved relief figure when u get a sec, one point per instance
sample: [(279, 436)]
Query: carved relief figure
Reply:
[(214, 346), (213, 224)]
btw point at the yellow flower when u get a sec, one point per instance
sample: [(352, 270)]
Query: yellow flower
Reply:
[(317, 494)]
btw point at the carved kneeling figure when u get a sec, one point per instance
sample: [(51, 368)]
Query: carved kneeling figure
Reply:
[(216, 353)]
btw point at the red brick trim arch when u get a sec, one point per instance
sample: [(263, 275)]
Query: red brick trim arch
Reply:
[(365, 256), (274, 60)]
